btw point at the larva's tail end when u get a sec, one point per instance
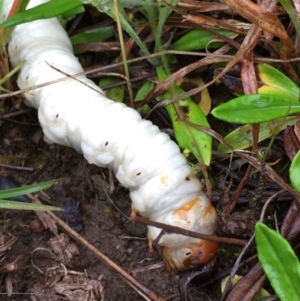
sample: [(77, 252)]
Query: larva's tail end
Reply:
[(191, 256)]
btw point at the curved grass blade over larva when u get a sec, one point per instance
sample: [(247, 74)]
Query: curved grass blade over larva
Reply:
[(5, 33), (47, 10)]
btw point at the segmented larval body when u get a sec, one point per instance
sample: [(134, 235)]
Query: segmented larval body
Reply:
[(110, 134)]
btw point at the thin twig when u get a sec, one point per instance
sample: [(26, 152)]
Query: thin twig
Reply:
[(225, 58), (177, 230), (15, 113), (16, 167)]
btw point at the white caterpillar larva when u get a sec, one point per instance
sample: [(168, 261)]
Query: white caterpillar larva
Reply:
[(109, 134)]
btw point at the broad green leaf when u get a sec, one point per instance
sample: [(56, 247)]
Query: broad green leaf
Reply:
[(276, 82), (25, 206), (9, 193), (198, 39), (256, 108), (44, 11), (242, 138), (295, 172), (115, 93), (144, 90), (141, 94), (279, 262), (267, 90), (188, 137)]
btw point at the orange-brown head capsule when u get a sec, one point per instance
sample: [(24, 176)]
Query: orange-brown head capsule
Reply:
[(191, 256)]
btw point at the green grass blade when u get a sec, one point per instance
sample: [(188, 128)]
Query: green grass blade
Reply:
[(287, 4), (11, 73), (6, 204), (93, 35), (163, 13), (108, 8), (27, 189)]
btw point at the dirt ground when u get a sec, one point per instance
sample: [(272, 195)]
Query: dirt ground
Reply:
[(42, 266), (38, 272)]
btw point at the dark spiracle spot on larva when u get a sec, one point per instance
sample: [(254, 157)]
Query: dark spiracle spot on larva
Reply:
[(138, 174), (56, 115), (106, 143), (187, 179)]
